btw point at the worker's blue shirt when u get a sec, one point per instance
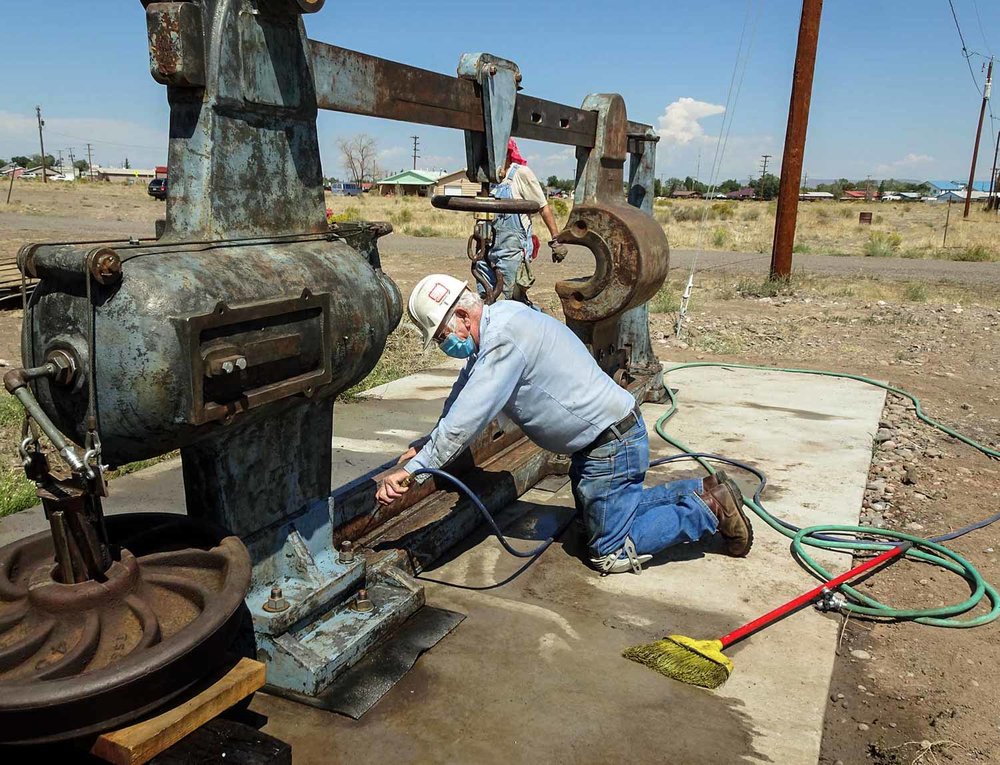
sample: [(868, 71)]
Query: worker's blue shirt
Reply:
[(534, 369)]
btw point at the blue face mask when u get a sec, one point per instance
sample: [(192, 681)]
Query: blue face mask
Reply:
[(457, 348)]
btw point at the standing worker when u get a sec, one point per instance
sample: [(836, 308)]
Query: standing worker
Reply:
[(534, 369), (514, 244)]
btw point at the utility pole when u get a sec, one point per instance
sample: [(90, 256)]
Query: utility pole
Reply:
[(416, 153), (41, 141), (763, 165), (868, 189), (795, 139), (90, 162), (979, 133), (991, 203)]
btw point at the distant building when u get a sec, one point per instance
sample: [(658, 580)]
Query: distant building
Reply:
[(959, 196), (126, 175), (815, 196), (680, 193), (36, 172), (855, 194), (456, 184), (745, 193), (409, 183)]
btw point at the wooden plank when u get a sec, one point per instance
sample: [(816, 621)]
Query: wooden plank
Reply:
[(141, 742)]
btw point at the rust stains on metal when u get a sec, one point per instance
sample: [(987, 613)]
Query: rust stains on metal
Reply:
[(111, 650), (631, 260)]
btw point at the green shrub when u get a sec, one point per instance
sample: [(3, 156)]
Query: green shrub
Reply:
[(694, 213), (719, 237), (665, 301), (350, 214), (747, 286), (975, 253), (915, 292), (725, 210), (403, 216), (846, 211), (560, 207), (750, 213), (662, 216), (423, 231), (801, 247), (882, 244)]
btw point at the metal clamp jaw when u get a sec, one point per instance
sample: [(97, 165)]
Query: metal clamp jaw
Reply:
[(499, 79)]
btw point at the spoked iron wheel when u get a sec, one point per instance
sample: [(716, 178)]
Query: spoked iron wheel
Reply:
[(77, 659)]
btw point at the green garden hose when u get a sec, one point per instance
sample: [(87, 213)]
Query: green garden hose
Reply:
[(848, 539)]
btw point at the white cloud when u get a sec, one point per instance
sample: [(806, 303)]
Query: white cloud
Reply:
[(910, 160), (680, 123)]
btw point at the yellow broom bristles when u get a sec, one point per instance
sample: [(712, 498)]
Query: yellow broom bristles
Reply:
[(695, 662)]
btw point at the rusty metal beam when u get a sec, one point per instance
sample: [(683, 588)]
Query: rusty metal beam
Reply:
[(348, 81)]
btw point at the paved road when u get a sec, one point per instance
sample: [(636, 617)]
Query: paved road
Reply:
[(901, 269)]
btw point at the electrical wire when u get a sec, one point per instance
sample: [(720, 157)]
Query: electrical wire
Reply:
[(965, 51)]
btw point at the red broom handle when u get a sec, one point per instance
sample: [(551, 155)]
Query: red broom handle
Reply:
[(801, 600)]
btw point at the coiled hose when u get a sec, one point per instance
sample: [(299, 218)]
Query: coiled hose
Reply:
[(848, 539)]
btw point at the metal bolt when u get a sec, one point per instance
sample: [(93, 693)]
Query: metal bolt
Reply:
[(346, 552), (276, 602), (363, 604), (241, 362), (227, 367)]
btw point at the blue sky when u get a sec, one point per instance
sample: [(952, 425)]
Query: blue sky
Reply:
[(892, 96)]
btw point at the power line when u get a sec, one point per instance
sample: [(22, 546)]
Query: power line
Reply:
[(965, 50), (979, 20), (109, 143)]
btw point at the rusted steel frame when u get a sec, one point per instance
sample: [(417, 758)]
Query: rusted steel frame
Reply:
[(359, 514), (349, 81), (430, 527), (795, 140)]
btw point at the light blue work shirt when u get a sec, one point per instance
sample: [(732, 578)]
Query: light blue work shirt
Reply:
[(534, 369)]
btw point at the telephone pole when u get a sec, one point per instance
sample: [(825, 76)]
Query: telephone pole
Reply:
[(416, 152), (979, 133), (992, 202), (763, 165), (41, 141), (795, 139), (90, 162)]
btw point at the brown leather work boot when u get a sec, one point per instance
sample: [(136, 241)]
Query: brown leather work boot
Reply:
[(726, 502), (712, 480)]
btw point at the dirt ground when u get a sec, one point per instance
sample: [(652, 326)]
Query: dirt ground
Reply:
[(901, 693)]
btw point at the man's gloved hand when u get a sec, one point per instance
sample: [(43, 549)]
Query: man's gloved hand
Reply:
[(559, 251)]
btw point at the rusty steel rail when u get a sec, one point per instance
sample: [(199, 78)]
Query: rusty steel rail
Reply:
[(348, 81)]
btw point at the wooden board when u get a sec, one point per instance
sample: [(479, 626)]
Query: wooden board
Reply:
[(141, 742)]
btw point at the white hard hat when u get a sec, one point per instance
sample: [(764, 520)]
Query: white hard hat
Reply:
[(431, 301)]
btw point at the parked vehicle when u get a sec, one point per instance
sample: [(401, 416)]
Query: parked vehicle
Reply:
[(345, 189), (157, 188)]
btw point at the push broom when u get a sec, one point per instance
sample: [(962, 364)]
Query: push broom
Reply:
[(702, 662)]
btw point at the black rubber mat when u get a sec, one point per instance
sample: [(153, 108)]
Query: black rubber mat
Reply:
[(361, 687)]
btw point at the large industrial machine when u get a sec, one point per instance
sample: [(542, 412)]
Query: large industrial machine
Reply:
[(228, 337)]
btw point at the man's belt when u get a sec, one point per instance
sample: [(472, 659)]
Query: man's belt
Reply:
[(616, 430)]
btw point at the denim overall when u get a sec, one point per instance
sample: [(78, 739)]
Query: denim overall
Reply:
[(511, 242)]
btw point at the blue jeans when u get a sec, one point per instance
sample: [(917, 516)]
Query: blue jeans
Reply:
[(609, 492)]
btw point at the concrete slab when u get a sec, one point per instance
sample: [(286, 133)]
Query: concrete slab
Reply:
[(535, 672)]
